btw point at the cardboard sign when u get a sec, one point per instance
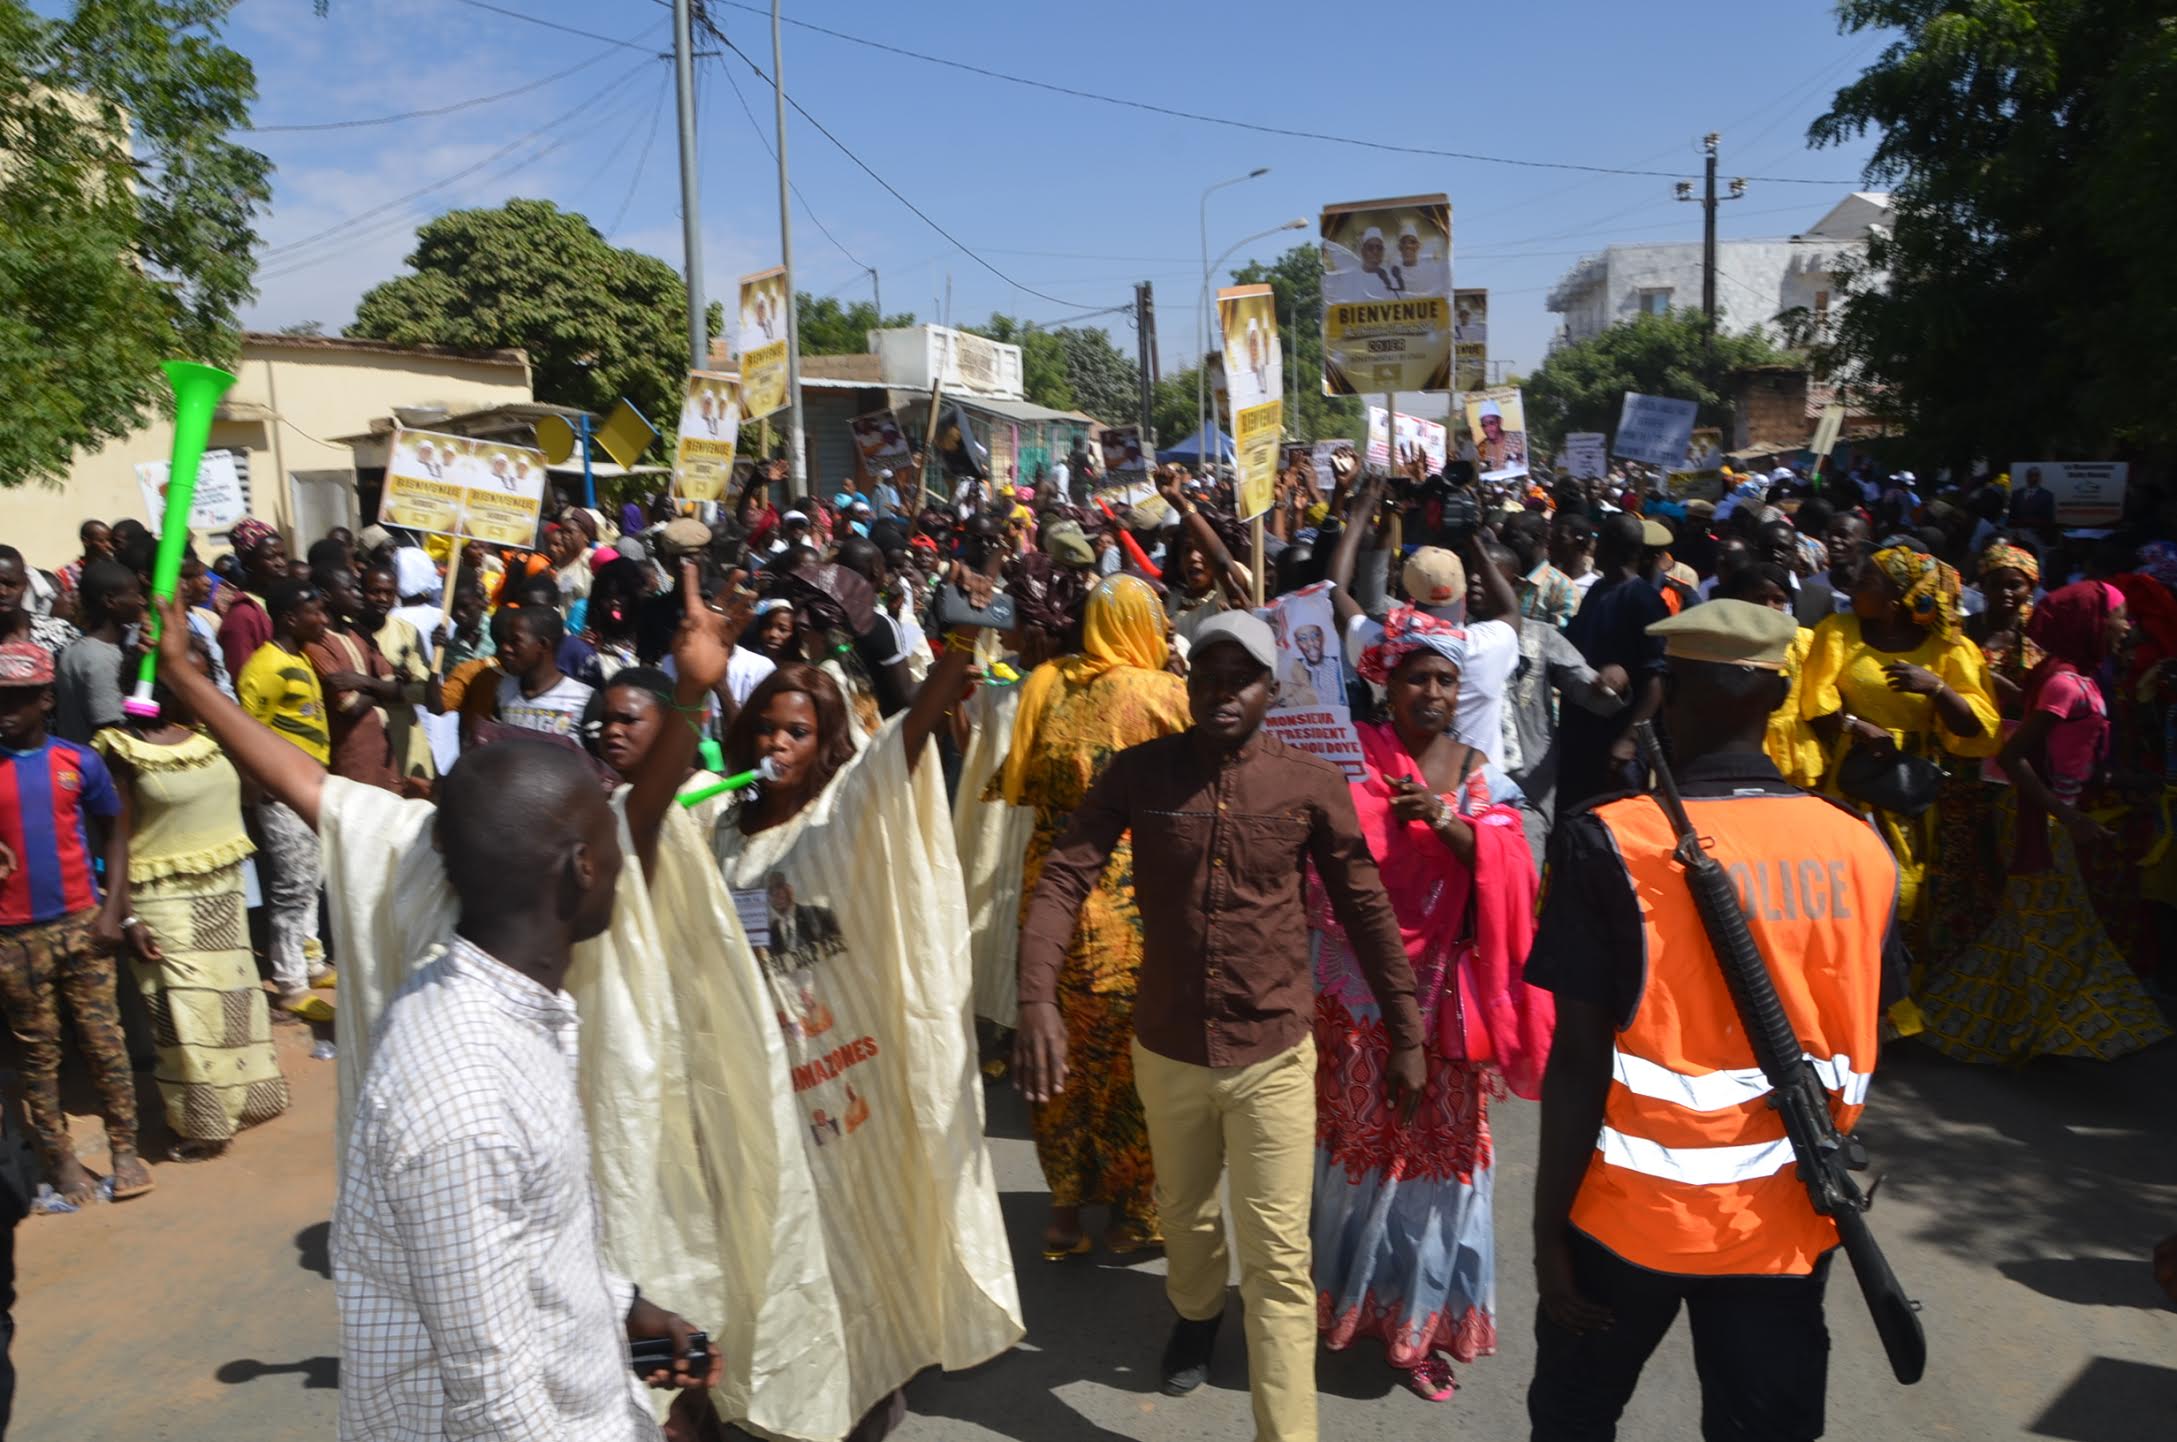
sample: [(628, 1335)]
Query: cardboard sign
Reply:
[(1583, 456), (1124, 452), (1387, 296), (764, 303), (1654, 430), (710, 433), (1254, 371), (880, 445), (218, 502), (1497, 419), (2088, 493), (461, 486), (1429, 436)]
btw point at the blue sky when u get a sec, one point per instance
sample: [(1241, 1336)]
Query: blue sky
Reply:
[(1067, 196)]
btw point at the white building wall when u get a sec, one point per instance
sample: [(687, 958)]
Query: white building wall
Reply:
[(1755, 281)]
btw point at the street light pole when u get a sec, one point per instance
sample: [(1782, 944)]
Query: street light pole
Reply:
[(1709, 200), (691, 207), (796, 451), (1201, 337)]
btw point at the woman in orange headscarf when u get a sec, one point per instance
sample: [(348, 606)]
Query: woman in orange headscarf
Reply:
[(1076, 713)]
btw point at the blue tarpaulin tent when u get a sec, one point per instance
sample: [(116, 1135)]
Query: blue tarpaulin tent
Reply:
[(1194, 449)]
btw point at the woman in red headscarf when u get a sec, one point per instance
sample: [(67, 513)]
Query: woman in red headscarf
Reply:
[(1405, 1246), (2044, 979)]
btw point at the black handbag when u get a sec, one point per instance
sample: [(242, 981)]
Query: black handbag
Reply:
[(1895, 781)]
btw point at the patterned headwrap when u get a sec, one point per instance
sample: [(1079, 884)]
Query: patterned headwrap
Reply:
[(1927, 588), (247, 534), (2003, 556), (1407, 630)]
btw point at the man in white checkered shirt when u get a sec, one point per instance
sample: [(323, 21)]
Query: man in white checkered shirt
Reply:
[(474, 1299)]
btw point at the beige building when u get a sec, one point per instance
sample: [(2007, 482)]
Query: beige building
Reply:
[(293, 398)]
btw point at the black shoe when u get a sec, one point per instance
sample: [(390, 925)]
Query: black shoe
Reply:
[(1186, 1355)]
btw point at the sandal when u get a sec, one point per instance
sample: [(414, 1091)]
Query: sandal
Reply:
[(1430, 1379), (122, 1193), (1125, 1241), (1080, 1246)]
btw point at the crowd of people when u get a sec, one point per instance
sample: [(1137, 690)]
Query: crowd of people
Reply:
[(897, 839)]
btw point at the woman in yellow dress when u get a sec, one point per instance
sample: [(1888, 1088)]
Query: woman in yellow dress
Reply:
[(1790, 743), (1076, 713), (189, 944), (1897, 673)]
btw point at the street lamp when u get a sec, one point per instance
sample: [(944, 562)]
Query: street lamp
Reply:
[(1201, 340), (1201, 309)]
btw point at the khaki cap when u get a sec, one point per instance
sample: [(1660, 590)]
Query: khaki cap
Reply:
[(1434, 577), (1728, 633)]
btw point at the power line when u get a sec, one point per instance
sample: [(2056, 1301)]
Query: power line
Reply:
[(344, 226), (1287, 132), (642, 162), (552, 25), (397, 213), (458, 105), (864, 166), (770, 150)]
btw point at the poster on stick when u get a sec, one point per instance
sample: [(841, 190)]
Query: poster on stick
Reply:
[(1254, 368), (710, 432), (1387, 296), (461, 486), (1582, 457), (1414, 433), (2088, 493), (763, 342), (1654, 430), (1470, 339), (1307, 708), (880, 445), (218, 502), (1125, 453), (1497, 419)]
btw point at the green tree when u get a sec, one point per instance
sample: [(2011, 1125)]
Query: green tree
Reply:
[(126, 215), (1106, 383), (1581, 387), (1297, 278), (825, 327), (598, 322), (2022, 300)]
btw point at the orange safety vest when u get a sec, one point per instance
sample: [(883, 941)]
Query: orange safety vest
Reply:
[(1692, 1171)]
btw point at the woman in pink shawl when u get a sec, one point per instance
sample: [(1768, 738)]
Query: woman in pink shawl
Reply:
[(1405, 1247)]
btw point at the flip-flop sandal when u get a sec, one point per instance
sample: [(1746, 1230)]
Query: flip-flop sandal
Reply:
[(1081, 1246), (122, 1194), (1126, 1244)]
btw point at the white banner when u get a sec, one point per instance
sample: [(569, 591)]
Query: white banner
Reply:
[(1654, 430), (1413, 431), (1583, 456), (2088, 493), (218, 502)]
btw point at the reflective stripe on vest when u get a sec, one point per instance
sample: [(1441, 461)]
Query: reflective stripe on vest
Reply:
[(1692, 1171)]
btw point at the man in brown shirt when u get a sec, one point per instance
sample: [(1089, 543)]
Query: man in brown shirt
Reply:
[(1223, 819)]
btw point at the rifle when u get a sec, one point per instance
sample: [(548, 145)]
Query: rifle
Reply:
[(1826, 1158)]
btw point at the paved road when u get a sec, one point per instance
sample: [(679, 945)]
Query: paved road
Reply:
[(2019, 1208)]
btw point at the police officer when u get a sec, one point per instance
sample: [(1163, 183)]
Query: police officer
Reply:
[(1665, 1178)]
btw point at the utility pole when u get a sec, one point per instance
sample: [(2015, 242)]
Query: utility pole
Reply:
[(796, 443), (1145, 325), (691, 206), (1709, 201), (876, 294)]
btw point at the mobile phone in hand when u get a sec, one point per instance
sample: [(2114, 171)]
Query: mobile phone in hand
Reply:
[(654, 1354)]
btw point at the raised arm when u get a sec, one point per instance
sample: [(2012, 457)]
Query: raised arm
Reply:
[(279, 769), (1359, 522), (1238, 584), (702, 649)]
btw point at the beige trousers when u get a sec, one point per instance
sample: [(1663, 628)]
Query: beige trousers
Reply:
[(1260, 1120)]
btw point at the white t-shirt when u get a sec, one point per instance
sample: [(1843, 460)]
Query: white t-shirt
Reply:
[(555, 712), (745, 671), (1492, 654)]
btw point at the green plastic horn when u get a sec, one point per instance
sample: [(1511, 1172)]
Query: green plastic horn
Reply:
[(197, 389)]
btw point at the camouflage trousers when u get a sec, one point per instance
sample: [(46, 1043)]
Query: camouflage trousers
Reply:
[(39, 965)]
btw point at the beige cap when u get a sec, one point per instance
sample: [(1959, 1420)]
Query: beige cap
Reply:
[(1656, 534), (1728, 633), (1434, 577)]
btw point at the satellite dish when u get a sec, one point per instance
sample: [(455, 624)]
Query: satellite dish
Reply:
[(555, 438)]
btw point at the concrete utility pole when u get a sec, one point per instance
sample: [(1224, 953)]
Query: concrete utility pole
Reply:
[(691, 205), (796, 443), (1709, 200), (1145, 321)]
